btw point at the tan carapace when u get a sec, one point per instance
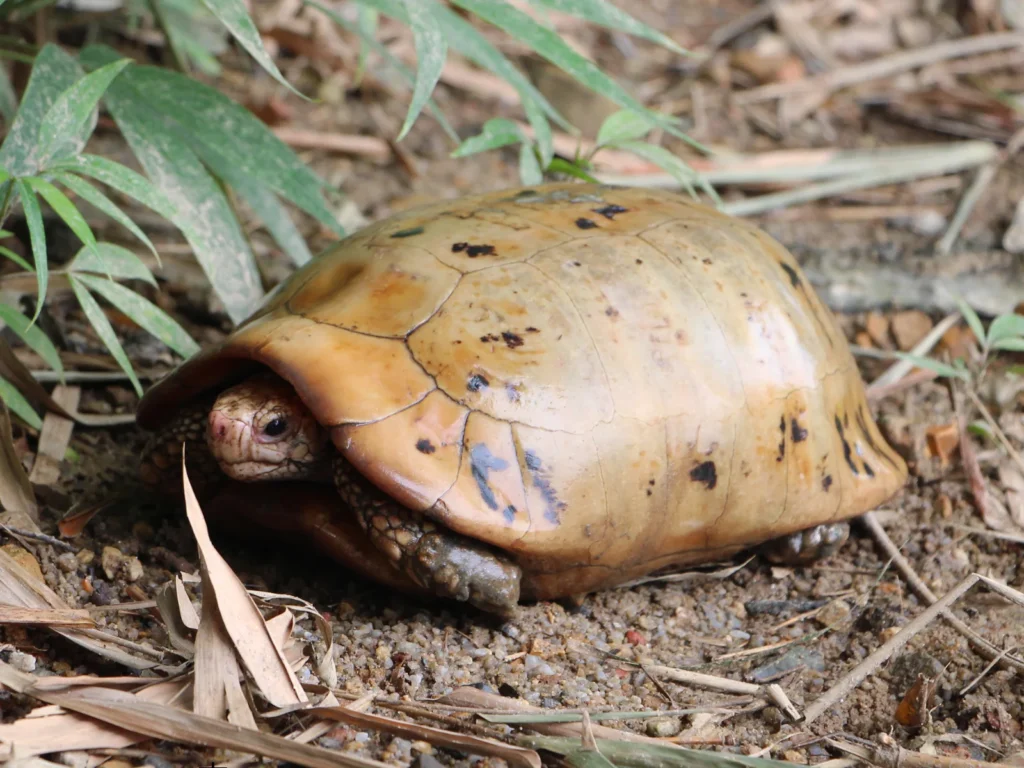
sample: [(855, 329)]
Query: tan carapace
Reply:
[(598, 382)]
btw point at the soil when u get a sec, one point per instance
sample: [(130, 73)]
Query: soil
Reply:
[(591, 655)]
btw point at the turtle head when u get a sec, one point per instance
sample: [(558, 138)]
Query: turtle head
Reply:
[(261, 430)]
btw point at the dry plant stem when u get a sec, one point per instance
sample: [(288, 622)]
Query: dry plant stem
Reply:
[(988, 668), (981, 645), (897, 757), (365, 146), (856, 676), (967, 155), (53, 542), (981, 182), (884, 67), (967, 456), (912, 380), (996, 429), (901, 368), (724, 684)]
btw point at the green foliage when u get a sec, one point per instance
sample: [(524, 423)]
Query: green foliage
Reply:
[(200, 151)]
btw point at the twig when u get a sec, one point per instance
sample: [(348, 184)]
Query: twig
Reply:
[(884, 67), (988, 668), (981, 645), (981, 181), (856, 676), (911, 380), (897, 757), (901, 368), (967, 455), (996, 429), (37, 537), (371, 147), (726, 685)]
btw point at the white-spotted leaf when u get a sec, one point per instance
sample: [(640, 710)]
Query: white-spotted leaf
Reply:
[(144, 313), (98, 319), (113, 260), (90, 194), (605, 14), (71, 119), (64, 208), (37, 238), (121, 178), (624, 125)]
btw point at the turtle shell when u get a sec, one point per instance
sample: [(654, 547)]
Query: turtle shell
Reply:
[(602, 381)]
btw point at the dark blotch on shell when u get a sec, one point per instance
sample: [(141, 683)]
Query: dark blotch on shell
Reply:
[(473, 250), (425, 446), (551, 502), (481, 462), (794, 278), (408, 232), (782, 442), (584, 223), (798, 433), (477, 382), (510, 514), (847, 451), (705, 473), (610, 210), (826, 483), (513, 340)]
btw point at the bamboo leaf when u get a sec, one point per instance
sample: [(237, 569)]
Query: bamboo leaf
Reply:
[(431, 54), (496, 132), (1004, 327), (15, 401), (121, 178), (52, 73), (933, 365), (530, 172), (114, 261), (664, 160), (63, 207), (90, 194), (236, 19), (71, 119), (605, 14), (32, 335), (1010, 344), (145, 314), (98, 319), (624, 125), (37, 238), (973, 321)]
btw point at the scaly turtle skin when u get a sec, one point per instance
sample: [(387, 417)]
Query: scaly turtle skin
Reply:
[(539, 393)]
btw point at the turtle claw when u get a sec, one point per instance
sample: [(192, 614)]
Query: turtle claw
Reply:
[(803, 547)]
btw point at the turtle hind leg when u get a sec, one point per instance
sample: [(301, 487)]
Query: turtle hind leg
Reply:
[(442, 561), (160, 463), (806, 546)]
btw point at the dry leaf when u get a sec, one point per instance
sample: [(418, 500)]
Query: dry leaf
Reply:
[(242, 620), (324, 665), (55, 436), (47, 617), (18, 588), (15, 489), (514, 756), (186, 611), (168, 604), (160, 721)]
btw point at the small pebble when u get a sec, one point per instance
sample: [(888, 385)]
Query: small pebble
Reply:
[(23, 662), (833, 613), (537, 666), (663, 727), (67, 562), (928, 223), (426, 760)]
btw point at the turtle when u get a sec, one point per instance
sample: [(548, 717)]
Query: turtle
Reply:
[(533, 394)]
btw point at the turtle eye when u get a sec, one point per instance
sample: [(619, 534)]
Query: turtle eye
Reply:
[(275, 428)]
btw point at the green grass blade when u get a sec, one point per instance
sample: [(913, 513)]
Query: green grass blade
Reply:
[(265, 204), (496, 132), (199, 113), (431, 54), (605, 14), (471, 43), (665, 160), (624, 125), (52, 73), (71, 119), (121, 178), (4, 251), (541, 132), (367, 38), (63, 207), (37, 238), (552, 47), (973, 321), (529, 167), (236, 20), (19, 405), (114, 261), (367, 22), (32, 335), (91, 195), (932, 364), (560, 165), (144, 313), (94, 313)]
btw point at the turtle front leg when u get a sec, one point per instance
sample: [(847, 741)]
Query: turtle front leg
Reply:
[(160, 464), (442, 561), (804, 547)]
